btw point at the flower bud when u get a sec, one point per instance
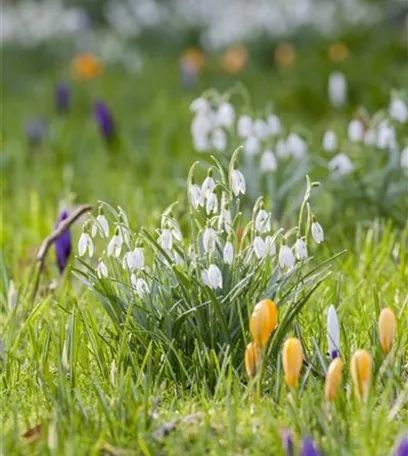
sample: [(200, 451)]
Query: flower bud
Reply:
[(333, 379), (263, 321), (361, 364), (252, 359), (387, 326), (292, 357)]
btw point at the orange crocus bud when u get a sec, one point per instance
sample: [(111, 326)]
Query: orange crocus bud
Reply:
[(235, 59), (252, 359), (263, 321), (292, 357), (86, 66), (361, 364), (387, 326), (333, 378)]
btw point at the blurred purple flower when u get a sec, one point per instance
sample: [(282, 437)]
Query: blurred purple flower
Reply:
[(62, 97), (402, 449), (287, 442), (189, 75), (104, 120), (309, 448), (36, 131), (63, 244)]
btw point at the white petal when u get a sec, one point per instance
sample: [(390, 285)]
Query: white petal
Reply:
[(228, 253), (259, 248), (333, 331), (82, 244), (317, 232), (286, 258), (268, 161)]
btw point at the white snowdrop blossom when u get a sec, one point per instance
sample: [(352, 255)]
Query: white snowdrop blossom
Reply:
[(286, 258), (238, 183), (228, 253), (385, 135), (252, 146), (268, 161), (398, 110), (101, 270), (101, 223), (200, 105), (262, 221), (244, 126), (140, 286), (404, 159), (296, 146), (260, 128), (209, 239), (195, 196), (341, 165), (226, 115), (207, 186), (317, 232), (201, 143), (329, 141), (355, 130), (333, 333), (260, 248), (337, 89), (166, 239), (219, 139), (128, 261), (281, 149), (300, 249), (212, 277), (138, 258), (225, 221), (211, 205), (85, 244), (115, 245), (270, 246), (274, 124)]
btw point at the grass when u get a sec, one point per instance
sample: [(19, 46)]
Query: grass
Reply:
[(97, 389)]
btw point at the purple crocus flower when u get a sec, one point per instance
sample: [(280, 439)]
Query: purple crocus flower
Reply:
[(287, 442), (309, 448), (36, 131), (402, 449), (104, 120), (62, 97), (63, 244)]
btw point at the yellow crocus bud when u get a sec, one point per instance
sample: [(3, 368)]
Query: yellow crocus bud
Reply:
[(333, 378), (361, 364), (292, 357), (263, 321), (252, 359), (387, 325)]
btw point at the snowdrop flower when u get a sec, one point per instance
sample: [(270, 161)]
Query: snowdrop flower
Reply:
[(196, 197), (101, 270), (333, 333), (238, 183), (211, 205), (286, 258), (337, 89), (127, 261), (209, 239), (300, 249), (225, 220), (398, 110), (244, 126), (85, 244), (404, 159), (260, 128), (226, 115), (355, 130), (219, 139), (200, 105), (228, 253), (115, 244), (263, 221), (212, 277), (329, 141), (274, 124), (341, 165), (101, 223), (268, 161), (201, 143), (385, 135), (208, 184), (166, 239), (282, 149), (296, 145), (138, 258), (370, 137), (140, 286), (270, 246), (252, 146), (260, 248), (317, 232)]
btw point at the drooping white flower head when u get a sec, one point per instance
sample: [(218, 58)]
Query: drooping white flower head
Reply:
[(341, 165), (210, 237), (211, 205), (300, 249), (317, 232), (115, 244), (225, 115), (274, 124), (404, 159), (337, 89), (260, 248), (385, 135), (128, 261), (85, 244), (260, 128), (398, 110), (244, 126), (270, 246), (228, 253), (296, 145), (212, 277), (200, 105), (196, 196), (166, 239), (219, 139), (263, 221), (225, 220), (268, 161), (238, 183), (101, 270), (208, 184), (101, 224), (333, 333), (201, 143), (356, 130), (282, 150), (138, 258), (329, 141), (286, 258), (252, 146), (139, 285)]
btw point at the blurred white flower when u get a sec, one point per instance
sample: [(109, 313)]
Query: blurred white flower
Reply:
[(85, 244), (228, 253), (317, 232), (208, 185), (219, 139), (270, 246), (263, 221), (341, 165), (398, 110), (274, 124), (101, 223), (260, 129), (200, 105), (355, 130), (300, 249), (337, 88), (115, 245), (127, 261), (333, 333), (211, 205), (201, 143), (238, 183), (329, 141), (226, 115), (260, 248), (244, 126), (209, 239), (282, 149), (252, 146), (296, 146), (404, 159), (196, 196), (212, 277), (140, 286), (268, 161), (138, 258), (385, 135), (286, 258), (166, 239), (225, 221), (101, 270)]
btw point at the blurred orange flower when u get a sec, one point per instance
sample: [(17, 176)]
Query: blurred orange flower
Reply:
[(86, 66), (235, 59), (193, 59), (285, 55), (338, 52)]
